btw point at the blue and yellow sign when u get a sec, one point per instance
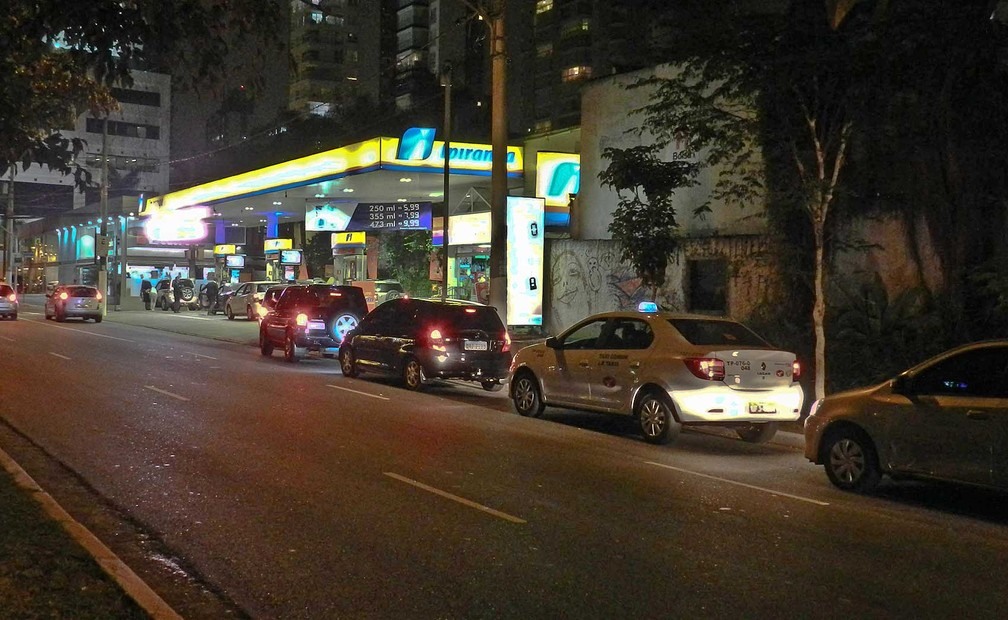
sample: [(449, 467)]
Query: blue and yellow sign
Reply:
[(558, 176), (275, 245)]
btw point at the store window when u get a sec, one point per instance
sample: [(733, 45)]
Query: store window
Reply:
[(579, 72)]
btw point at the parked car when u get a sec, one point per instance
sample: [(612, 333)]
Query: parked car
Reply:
[(416, 339), (944, 419), (8, 301), (666, 370), (75, 300), (377, 292), (226, 291), (246, 296), (311, 317), (165, 295)]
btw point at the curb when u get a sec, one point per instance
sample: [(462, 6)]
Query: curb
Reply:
[(114, 567)]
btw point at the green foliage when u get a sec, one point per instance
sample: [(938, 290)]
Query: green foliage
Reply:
[(644, 222), (60, 59), (318, 254), (405, 256), (987, 295), (873, 338)]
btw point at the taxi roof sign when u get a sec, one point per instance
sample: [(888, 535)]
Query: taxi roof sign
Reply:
[(647, 306)]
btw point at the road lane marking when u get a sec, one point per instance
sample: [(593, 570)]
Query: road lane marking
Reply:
[(337, 387), (456, 498), (198, 318), (151, 387), (63, 357), (206, 356), (81, 331), (8, 339), (741, 484)]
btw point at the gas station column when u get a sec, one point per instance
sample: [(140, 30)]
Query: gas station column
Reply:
[(219, 236), (272, 226)]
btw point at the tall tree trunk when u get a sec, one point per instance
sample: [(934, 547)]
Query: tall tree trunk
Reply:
[(819, 306)]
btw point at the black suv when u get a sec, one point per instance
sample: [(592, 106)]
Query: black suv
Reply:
[(419, 338), (311, 317)]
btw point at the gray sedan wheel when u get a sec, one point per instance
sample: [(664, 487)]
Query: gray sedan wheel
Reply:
[(850, 460)]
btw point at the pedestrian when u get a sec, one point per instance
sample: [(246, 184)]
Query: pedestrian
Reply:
[(211, 295), (145, 293), (176, 287)]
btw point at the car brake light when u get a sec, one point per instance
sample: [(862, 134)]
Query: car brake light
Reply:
[(436, 335), (708, 368), (335, 294), (12, 297), (795, 370), (262, 310), (98, 295), (64, 296), (507, 342), (301, 319), (471, 310)]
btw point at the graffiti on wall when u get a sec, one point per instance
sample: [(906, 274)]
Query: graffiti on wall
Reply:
[(588, 277)]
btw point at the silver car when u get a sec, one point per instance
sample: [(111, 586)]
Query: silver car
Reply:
[(666, 370), (246, 299), (8, 302), (75, 300), (944, 419)]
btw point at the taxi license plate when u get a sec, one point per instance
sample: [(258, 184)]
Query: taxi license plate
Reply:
[(762, 408), (475, 345)]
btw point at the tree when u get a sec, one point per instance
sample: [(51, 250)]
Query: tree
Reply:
[(405, 256), (62, 58), (644, 222), (318, 253)]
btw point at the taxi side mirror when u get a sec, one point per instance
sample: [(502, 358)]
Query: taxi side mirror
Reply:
[(552, 343), (902, 385)]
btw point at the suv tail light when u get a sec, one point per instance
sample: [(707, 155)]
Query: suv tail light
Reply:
[(795, 370), (436, 339), (708, 368), (64, 296), (507, 342), (12, 297), (301, 319), (98, 295)]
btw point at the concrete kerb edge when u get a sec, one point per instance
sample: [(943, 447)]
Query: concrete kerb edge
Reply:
[(130, 582)]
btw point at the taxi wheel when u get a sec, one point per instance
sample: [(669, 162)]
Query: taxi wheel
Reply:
[(229, 312), (412, 373), (348, 365), (757, 433), (492, 385), (526, 397), (654, 414), (850, 460), (292, 352), (265, 346)]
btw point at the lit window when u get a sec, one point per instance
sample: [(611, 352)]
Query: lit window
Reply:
[(316, 17), (575, 73), (543, 5)]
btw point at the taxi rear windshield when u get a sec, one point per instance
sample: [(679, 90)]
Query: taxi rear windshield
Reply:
[(710, 332)]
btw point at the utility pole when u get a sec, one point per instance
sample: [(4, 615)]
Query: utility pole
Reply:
[(8, 231), (101, 248), (446, 81)]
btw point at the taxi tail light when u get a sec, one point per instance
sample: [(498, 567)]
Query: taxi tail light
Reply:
[(795, 370), (301, 319), (707, 368), (507, 342)]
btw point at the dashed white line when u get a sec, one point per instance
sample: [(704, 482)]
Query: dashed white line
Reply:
[(81, 331), (741, 484), (62, 357), (8, 339), (455, 498), (198, 318), (337, 387), (166, 393), (206, 356)]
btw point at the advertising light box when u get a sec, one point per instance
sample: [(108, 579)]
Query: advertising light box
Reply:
[(182, 226), (276, 245), (525, 223), (290, 257), (351, 215), (235, 261), (558, 176)]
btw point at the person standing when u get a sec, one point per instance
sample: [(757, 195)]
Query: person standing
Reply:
[(145, 293), (211, 295), (176, 287)]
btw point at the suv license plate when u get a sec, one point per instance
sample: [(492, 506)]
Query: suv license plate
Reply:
[(762, 408), (476, 345)]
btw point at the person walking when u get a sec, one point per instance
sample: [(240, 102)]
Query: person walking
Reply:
[(145, 293), (211, 295)]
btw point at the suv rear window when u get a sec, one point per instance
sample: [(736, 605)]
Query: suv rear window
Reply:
[(710, 332), (463, 318)]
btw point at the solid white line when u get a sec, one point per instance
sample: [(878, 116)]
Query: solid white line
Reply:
[(198, 318), (337, 387), (109, 562), (456, 498), (81, 331), (62, 357), (741, 484), (151, 387)]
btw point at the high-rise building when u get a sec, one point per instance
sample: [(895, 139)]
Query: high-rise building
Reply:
[(334, 45)]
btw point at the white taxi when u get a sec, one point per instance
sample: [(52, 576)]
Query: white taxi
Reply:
[(665, 369)]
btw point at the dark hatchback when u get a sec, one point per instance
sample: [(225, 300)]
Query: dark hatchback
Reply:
[(415, 339), (311, 317)]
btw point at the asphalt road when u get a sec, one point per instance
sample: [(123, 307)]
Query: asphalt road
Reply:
[(293, 492)]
